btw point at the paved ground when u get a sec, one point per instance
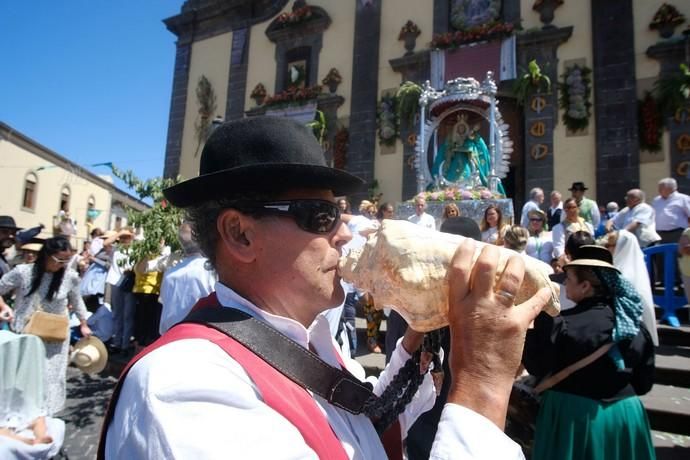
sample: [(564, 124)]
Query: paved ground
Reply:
[(87, 397)]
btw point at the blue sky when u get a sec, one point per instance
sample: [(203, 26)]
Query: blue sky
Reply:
[(90, 79)]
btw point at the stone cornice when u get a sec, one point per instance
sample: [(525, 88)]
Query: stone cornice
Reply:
[(554, 36), (201, 19), (672, 49), (409, 63), (316, 25), (324, 102)]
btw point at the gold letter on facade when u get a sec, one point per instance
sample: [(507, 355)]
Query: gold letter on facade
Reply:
[(539, 151)]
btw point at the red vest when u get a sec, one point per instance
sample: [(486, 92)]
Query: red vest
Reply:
[(279, 392)]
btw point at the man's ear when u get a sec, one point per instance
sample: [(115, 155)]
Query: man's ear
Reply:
[(235, 230)]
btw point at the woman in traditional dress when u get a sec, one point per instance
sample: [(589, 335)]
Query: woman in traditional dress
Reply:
[(47, 284), (571, 223), (629, 259), (594, 413), (492, 225)]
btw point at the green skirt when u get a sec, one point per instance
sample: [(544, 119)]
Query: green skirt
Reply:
[(573, 427)]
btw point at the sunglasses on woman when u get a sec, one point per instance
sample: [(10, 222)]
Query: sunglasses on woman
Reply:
[(60, 261), (313, 216)]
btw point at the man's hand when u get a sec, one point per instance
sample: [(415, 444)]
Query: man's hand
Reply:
[(487, 330)]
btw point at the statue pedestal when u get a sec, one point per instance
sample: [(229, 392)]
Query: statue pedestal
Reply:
[(473, 209)]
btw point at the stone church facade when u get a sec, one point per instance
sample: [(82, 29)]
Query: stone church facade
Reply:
[(237, 58)]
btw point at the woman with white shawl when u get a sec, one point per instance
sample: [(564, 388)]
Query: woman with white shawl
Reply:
[(629, 259)]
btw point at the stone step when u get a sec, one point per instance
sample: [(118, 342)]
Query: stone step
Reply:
[(676, 336), (670, 446), (668, 408), (672, 366)]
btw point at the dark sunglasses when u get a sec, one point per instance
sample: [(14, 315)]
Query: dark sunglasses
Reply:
[(313, 216), (536, 219)]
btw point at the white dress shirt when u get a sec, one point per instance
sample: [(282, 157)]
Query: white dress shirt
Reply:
[(119, 264), (643, 214), (425, 220), (540, 247), (182, 286), (562, 232), (672, 212), (189, 399)]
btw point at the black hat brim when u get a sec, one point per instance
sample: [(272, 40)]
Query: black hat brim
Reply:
[(261, 178)]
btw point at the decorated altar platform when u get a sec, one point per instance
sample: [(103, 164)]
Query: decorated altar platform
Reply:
[(468, 208)]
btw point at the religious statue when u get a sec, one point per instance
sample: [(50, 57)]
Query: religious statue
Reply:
[(463, 157)]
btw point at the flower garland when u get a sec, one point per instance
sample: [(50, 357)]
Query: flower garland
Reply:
[(474, 34), (293, 95), (388, 122), (576, 90), (666, 15), (456, 194), (650, 124), (296, 16), (410, 28)]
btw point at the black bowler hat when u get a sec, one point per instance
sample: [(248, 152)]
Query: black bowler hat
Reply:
[(8, 222), (578, 186), (592, 256), (260, 154)]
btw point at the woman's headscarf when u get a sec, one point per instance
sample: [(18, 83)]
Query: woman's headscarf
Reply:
[(629, 259), (627, 307)]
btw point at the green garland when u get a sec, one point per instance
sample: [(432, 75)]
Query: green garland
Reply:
[(408, 101), (575, 97), (388, 122)]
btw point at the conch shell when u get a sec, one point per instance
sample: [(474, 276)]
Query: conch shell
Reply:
[(403, 266)]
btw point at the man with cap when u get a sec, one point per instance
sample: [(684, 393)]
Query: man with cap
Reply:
[(8, 231), (263, 211), (589, 209)]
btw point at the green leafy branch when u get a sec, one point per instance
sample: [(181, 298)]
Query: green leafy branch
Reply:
[(160, 223), (408, 101)]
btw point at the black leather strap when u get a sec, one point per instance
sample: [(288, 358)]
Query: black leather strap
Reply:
[(297, 363)]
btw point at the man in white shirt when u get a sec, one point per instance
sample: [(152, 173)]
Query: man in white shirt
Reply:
[(672, 210), (555, 215), (420, 217), (263, 212), (536, 198), (184, 283), (637, 218)]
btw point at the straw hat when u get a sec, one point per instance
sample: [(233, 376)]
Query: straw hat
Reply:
[(90, 355), (107, 234), (35, 247), (591, 256)]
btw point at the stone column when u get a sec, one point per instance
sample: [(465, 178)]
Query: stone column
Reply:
[(178, 104), (541, 109), (415, 67), (364, 92), (237, 76), (671, 54), (615, 99)]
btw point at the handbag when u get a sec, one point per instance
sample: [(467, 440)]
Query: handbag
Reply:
[(50, 327), (523, 406)]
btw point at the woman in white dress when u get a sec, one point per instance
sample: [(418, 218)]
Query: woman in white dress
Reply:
[(571, 223), (492, 225), (48, 283)]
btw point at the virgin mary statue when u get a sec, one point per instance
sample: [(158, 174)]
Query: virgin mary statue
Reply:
[(463, 157)]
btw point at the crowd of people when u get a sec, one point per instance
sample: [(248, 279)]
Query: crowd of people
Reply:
[(49, 276), (269, 336)]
